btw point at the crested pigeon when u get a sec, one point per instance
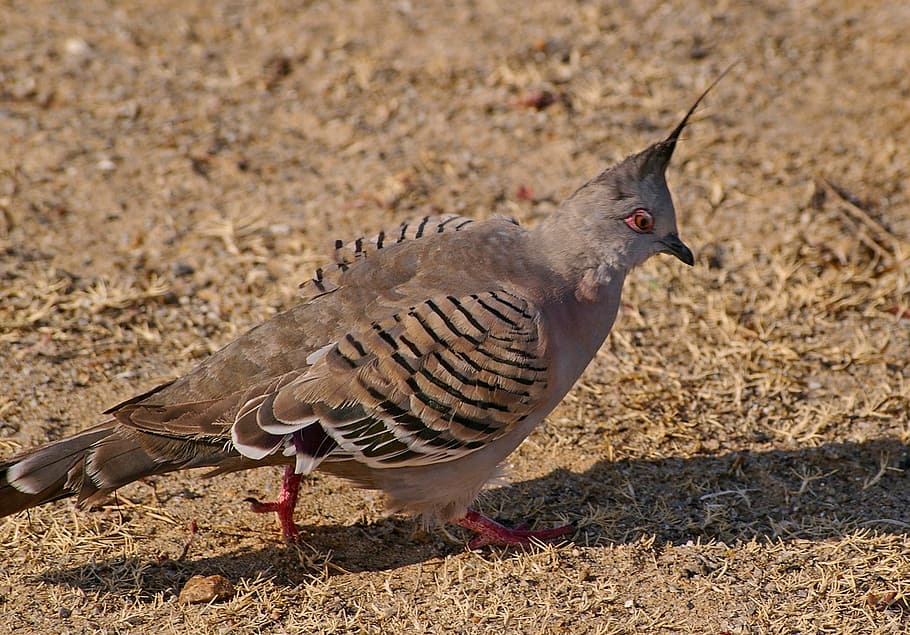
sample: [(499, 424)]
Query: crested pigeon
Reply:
[(414, 364)]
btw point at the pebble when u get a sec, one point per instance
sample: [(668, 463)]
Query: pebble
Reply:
[(201, 589), (77, 47)]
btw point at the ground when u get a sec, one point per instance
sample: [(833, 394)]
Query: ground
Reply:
[(735, 458)]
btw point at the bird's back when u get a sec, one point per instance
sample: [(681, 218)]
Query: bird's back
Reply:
[(478, 257)]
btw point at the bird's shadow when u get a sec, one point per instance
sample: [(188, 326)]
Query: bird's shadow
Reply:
[(809, 493)]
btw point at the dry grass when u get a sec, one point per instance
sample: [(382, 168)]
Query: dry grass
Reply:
[(735, 458)]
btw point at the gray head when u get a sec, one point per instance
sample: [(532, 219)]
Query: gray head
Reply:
[(627, 211)]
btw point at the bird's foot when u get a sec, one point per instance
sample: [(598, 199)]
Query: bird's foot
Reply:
[(284, 505), (490, 532)]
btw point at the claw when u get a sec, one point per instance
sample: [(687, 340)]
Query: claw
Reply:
[(491, 532)]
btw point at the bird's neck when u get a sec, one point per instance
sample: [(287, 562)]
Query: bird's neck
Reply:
[(575, 258)]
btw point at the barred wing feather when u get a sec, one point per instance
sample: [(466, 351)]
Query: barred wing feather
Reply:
[(428, 384)]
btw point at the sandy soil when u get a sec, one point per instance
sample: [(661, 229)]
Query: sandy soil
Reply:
[(736, 456)]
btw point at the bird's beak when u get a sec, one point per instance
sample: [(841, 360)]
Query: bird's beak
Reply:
[(675, 247)]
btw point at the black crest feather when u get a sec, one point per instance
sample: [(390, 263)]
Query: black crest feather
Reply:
[(656, 157)]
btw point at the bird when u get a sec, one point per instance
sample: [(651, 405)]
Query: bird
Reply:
[(414, 363)]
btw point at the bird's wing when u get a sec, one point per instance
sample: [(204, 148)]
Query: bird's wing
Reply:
[(297, 353), (429, 383)]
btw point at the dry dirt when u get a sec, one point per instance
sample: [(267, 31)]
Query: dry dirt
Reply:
[(735, 457)]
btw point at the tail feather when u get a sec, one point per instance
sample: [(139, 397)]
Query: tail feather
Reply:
[(13, 500), (44, 474), (95, 462), (116, 461)]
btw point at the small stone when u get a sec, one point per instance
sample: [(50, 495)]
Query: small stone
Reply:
[(201, 589), (64, 612), (77, 47)]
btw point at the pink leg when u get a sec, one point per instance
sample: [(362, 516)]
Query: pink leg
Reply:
[(284, 506), (490, 532)]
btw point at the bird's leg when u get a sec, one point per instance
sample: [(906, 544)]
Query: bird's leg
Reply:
[(490, 532), (284, 505)]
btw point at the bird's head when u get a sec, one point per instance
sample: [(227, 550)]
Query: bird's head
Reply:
[(625, 214)]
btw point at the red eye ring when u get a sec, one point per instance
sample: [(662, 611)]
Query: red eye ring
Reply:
[(641, 221)]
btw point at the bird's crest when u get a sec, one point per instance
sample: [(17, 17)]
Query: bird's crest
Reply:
[(655, 158)]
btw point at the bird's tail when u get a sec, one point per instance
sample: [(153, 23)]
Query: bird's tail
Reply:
[(47, 473), (90, 465)]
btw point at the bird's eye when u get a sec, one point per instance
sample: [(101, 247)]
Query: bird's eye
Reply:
[(641, 221)]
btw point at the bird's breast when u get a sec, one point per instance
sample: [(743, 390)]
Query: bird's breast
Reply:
[(576, 329)]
